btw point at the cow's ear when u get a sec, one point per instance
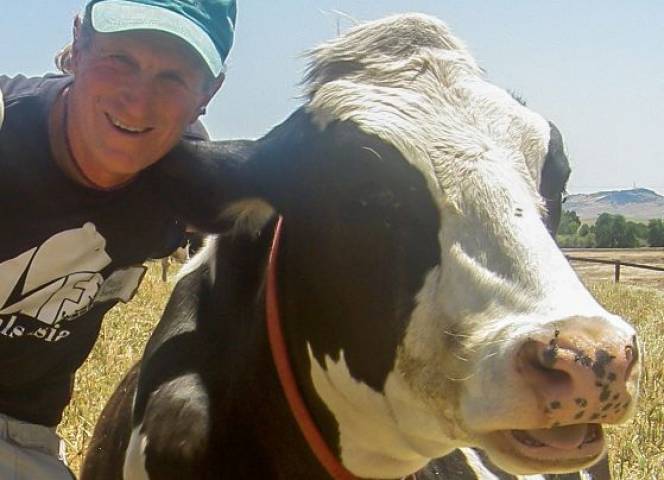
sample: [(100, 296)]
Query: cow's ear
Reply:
[(210, 185)]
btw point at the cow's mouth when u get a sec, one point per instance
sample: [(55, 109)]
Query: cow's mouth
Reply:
[(571, 442)]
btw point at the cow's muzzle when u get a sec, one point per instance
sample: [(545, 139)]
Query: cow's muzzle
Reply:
[(581, 377)]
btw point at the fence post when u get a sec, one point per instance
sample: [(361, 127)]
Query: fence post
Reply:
[(616, 276)]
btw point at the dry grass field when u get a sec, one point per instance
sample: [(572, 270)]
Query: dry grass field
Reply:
[(637, 448), (593, 272)]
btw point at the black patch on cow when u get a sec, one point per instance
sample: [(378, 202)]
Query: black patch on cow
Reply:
[(106, 451), (202, 178), (252, 434), (360, 234), (555, 173), (602, 359)]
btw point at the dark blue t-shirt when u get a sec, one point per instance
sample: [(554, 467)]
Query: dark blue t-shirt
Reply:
[(67, 254)]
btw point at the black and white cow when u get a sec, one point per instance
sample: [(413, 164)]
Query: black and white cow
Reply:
[(424, 305)]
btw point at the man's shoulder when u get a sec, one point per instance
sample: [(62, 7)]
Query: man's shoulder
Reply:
[(19, 86)]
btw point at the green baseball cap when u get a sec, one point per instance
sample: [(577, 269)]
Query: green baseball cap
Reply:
[(207, 25)]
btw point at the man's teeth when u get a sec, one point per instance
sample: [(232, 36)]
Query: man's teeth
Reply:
[(121, 125)]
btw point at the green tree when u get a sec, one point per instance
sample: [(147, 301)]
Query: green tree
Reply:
[(569, 223), (604, 230), (584, 230), (612, 231), (623, 235), (656, 233), (640, 229)]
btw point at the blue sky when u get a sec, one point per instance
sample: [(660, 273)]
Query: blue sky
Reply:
[(595, 68)]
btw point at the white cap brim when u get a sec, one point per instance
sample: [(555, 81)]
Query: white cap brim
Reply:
[(113, 16)]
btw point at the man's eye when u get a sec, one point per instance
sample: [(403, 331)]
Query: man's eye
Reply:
[(174, 78), (121, 60)]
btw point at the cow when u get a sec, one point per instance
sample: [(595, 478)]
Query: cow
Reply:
[(384, 290)]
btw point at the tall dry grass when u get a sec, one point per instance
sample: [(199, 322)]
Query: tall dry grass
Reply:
[(637, 448), (124, 332)]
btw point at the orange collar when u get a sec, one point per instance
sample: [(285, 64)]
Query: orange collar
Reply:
[(299, 410), (282, 363)]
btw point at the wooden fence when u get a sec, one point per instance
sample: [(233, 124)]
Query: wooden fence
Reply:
[(617, 264)]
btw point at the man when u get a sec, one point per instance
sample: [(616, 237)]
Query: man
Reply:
[(80, 204)]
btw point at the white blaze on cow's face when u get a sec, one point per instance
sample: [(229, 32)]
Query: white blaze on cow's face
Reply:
[(505, 349)]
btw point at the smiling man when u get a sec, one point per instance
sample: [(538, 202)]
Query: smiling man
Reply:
[(81, 207)]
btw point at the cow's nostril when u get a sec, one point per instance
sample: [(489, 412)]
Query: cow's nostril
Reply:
[(575, 380), (537, 363), (632, 357)]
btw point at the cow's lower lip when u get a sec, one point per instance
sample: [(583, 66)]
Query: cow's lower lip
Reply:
[(572, 442)]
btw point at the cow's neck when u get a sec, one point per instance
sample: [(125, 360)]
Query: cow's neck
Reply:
[(396, 459), (319, 446)]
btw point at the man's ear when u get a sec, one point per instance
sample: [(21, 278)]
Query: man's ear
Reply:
[(76, 44), (211, 90)]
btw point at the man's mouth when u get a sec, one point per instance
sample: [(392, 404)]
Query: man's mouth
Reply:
[(124, 128)]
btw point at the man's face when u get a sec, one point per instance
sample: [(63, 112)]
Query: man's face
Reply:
[(133, 96)]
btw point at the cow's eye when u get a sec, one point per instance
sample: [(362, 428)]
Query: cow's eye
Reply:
[(371, 206), (382, 199)]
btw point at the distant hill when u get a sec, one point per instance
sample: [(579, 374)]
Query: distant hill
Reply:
[(639, 204)]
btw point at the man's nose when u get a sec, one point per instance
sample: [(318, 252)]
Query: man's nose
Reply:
[(138, 98)]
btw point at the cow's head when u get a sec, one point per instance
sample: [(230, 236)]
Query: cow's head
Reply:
[(418, 281)]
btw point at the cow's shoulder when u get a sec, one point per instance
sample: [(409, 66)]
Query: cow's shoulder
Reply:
[(193, 351), (172, 405)]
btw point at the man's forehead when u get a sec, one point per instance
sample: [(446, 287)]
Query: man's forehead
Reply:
[(168, 48)]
